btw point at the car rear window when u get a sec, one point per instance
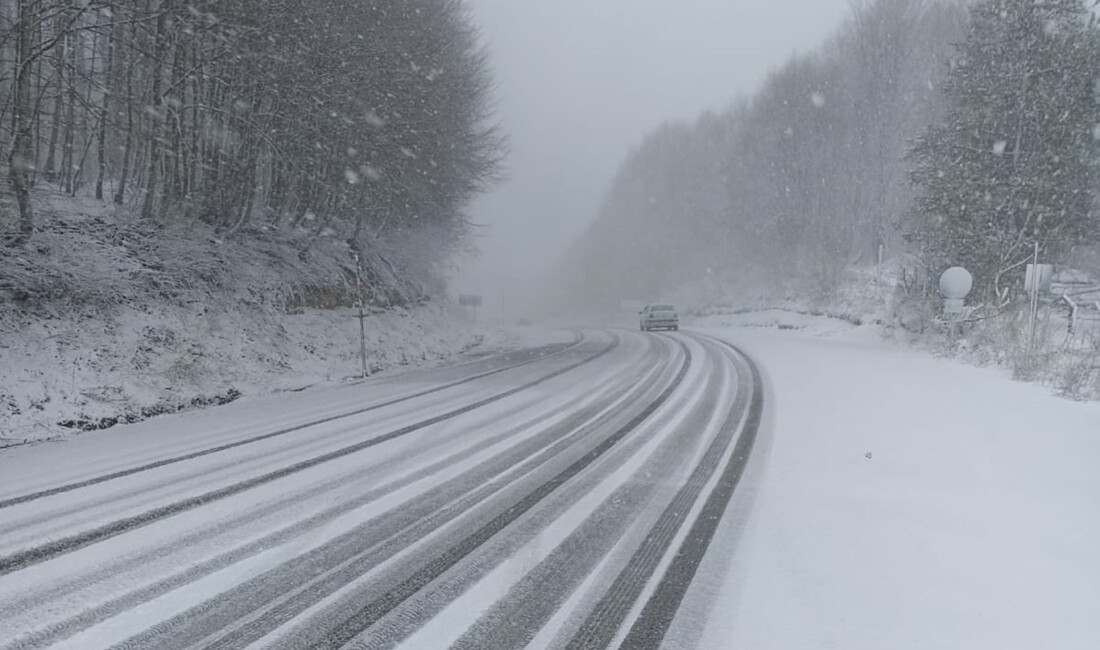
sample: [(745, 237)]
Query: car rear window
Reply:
[(662, 308)]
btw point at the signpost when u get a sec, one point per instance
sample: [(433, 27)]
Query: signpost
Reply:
[(362, 319), (470, 300), (955, 285), (1037, 279)]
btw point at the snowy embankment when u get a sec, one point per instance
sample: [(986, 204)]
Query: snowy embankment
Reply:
[(88, 371), (106, 318), (910, 501), (1065, 355)]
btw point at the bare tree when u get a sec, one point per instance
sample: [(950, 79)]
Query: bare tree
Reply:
[(238, 113)]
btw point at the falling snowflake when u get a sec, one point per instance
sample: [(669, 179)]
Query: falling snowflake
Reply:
[(818, 99), (999, 147), (375, 120)]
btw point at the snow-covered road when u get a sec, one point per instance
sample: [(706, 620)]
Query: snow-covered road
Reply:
[(906, 501), (561, 495)]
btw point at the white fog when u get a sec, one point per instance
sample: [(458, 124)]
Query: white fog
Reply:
[(580, 83)]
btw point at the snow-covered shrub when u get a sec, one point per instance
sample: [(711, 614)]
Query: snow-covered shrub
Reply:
[(1079, 377)]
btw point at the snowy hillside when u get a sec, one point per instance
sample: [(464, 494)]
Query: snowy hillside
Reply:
[(104, 320)]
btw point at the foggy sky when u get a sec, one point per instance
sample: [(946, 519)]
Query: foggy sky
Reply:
[(580, 82)]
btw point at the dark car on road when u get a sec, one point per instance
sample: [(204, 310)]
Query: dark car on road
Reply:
[(659, 317)]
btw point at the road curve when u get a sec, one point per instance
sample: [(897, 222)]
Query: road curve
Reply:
[(560, 496)]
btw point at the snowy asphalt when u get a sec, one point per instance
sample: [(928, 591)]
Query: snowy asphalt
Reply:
[(557, 496)]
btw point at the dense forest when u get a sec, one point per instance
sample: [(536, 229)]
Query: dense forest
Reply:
[(287, 121), (923, 134)]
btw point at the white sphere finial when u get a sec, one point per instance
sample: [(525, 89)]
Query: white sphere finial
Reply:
[(955, 283)]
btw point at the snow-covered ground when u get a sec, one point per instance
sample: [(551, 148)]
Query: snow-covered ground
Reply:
[(424, 508), (893, 500), (908, 502), (104, 319), (97, 365)]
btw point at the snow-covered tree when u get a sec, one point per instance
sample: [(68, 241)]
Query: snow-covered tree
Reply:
[(355, 120), (1014, 161)]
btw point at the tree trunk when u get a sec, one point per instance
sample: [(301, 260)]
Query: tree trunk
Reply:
[(128, 147), (195, 157), (68, 164), (87, 128), (156, 129), (40, 96), (173, 189), (101, 153), (19, 158), (49, 171)]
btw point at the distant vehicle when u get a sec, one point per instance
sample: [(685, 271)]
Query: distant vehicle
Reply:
[(659, 317)]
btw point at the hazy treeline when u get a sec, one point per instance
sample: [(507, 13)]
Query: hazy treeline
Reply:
[(812, 175), (345, 118)]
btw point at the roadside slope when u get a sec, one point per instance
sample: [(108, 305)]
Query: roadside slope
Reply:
[(90, 369)]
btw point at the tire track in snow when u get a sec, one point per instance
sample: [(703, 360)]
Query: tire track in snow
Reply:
[(515, 619), (603, 622), (645, 584), (44, 552), (536, 354), (649, 628), (691, 516), (380, 606), (89, 617), (250, 610)]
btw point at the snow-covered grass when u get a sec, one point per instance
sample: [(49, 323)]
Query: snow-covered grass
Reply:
[(797, 322), (106, 318), (95, 367), (1066, 361), (910, 501), (865, 296)]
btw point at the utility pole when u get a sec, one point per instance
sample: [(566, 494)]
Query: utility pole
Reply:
[(1033, 305), (362, 320)]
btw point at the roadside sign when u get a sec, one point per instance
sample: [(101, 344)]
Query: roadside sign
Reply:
[(1038, 278), (955, 285), (469, 300)]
